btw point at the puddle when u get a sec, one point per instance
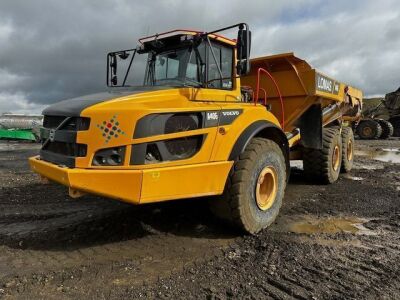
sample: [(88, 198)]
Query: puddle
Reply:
[(390, 155), (348, 176), (366, 167), (298, 164), (331, 225), (391, 149)]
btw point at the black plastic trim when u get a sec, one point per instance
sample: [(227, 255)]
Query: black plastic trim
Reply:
[(59, 159), (108, 152), (274, 133), (310, 124), (154, 124), (247, 135), (66, 136), (138, 151), (138, 154), (227, 116)]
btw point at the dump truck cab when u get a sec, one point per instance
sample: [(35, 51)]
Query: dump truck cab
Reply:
[(201, 123)]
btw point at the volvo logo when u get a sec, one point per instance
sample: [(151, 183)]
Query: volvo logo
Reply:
[(231, 113)]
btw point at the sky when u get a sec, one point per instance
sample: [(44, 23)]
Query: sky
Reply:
[(52, 50)]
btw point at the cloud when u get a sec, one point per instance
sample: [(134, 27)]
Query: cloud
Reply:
[(19, 104), (53, 50), (5, 32)]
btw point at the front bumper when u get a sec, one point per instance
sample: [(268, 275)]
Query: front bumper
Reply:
[(120, 184), (141, 186)]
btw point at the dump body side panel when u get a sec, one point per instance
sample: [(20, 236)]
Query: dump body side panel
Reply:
[(301, 86)]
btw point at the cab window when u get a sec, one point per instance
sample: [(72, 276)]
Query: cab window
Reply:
[(195, 69), (223, 60)]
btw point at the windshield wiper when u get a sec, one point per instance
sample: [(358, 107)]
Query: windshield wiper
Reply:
[(194, 82)]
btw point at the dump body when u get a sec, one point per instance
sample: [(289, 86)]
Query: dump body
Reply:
[(301, 86)]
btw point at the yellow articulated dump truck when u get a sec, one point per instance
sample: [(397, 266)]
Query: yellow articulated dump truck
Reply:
[(206, 120)]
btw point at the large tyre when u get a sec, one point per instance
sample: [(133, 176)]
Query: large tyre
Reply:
[(396, 126), (387, 129), (347, 149), (323, 166), (255, 188), (369, 130)]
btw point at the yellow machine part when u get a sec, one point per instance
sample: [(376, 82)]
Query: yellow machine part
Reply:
[(173, 100), (141, 186), (300, 85), (203, 174), (206, 172)]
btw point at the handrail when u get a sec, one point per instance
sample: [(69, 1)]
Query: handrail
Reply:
[(265, 96), (182, 31), (259, 71), (167, 32)]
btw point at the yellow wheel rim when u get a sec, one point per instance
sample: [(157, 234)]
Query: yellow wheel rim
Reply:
[(349, 150), (266, 188), (336, 157)]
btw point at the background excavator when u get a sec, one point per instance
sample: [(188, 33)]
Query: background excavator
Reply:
[(381, 121)]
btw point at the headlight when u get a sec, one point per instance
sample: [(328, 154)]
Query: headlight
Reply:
[(109, 157)]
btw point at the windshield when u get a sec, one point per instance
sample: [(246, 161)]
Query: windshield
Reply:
[(207, 64), (176, 67)]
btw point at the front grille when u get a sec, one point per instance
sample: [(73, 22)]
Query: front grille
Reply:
[(74, 123), (67, 149), (59, 139)]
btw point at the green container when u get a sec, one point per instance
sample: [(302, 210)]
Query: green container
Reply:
[(17, 134)]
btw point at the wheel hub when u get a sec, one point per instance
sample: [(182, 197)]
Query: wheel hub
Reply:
[(350, 150), (336, 158), (367, 131), (266, 188)]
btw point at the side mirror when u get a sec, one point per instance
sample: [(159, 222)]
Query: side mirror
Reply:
[(112, 66), (123, 55), (114, 80), (243, 50)]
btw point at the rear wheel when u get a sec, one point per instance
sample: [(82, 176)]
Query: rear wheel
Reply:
[(347, 149), (387, 129), (369, 130), (254, 191), (396, 126), (323, 165)]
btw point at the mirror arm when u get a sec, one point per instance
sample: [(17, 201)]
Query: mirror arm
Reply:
[(129, 67)]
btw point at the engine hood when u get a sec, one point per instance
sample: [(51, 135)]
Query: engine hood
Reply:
[(74, 106)]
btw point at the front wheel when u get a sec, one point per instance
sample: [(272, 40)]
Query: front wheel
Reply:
[(254, 191)]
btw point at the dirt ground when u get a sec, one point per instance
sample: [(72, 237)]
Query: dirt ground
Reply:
[(340, 241)]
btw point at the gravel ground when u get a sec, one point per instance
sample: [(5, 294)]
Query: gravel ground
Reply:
[(340, 241)]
